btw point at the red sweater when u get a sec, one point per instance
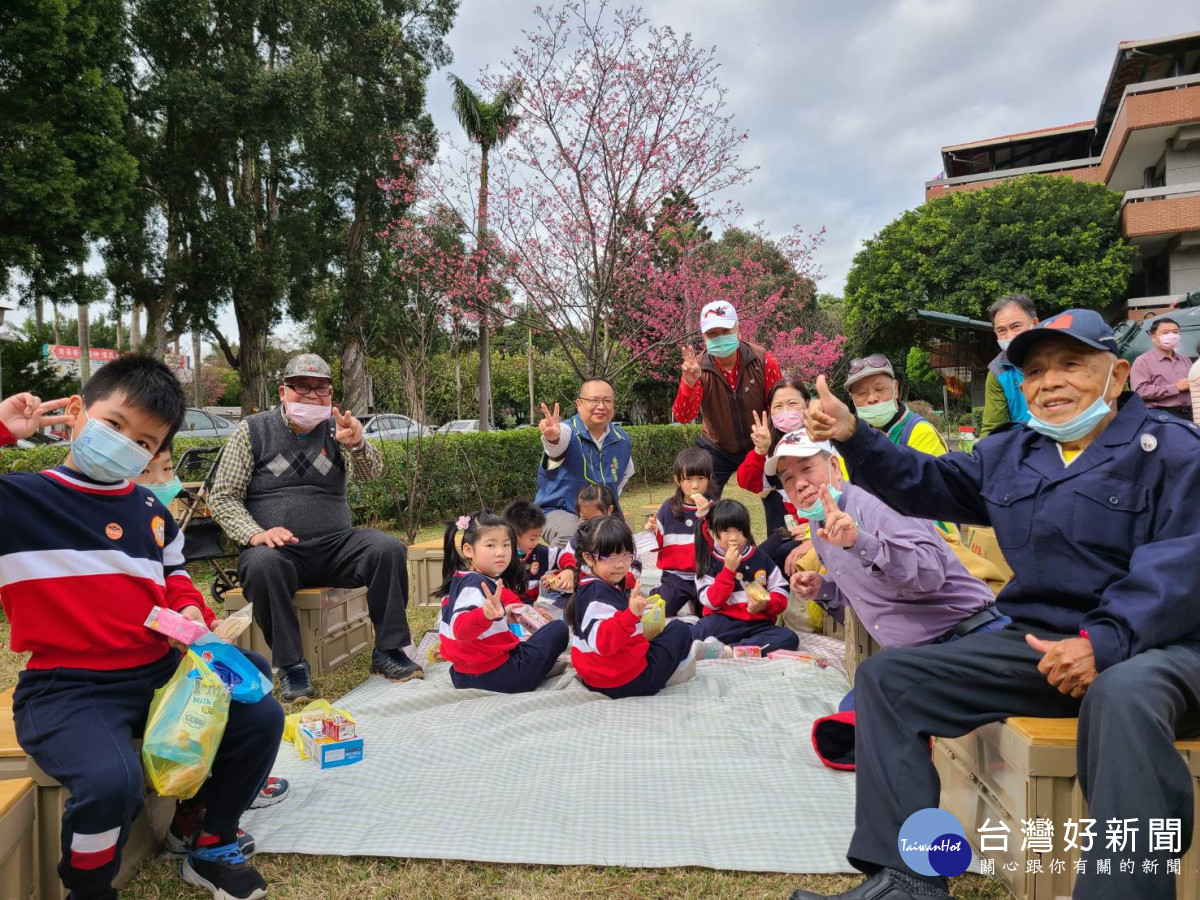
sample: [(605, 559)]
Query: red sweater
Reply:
[(608, 648), (752, 476), (722, 591), (688, 399), (84, 568), (471, 642)]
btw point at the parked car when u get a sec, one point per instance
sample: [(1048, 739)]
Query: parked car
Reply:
[(459, 426), (392, 427), (198, 423), (44, 437)]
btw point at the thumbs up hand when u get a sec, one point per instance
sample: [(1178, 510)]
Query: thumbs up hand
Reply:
[(827, 417)]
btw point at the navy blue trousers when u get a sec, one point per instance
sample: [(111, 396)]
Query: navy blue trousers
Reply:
[(79, 725), (527, 665), (761, 633), (677, 593), (666, 652)]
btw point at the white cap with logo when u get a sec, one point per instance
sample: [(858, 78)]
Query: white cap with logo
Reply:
[(717, 314), (796, 443)]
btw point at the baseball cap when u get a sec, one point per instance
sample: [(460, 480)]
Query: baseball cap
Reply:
[(718, 314), (796, 443), (875, 364), (1084, 325), (307, 365)]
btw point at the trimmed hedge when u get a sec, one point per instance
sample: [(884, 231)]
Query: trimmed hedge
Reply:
[(490, 468)]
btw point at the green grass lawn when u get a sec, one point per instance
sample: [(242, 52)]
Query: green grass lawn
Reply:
[(367, 878)]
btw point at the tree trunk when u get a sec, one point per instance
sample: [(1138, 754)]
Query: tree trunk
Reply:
[(252, 356), (485, 333), (456, 343), (85, 336), (118, 347), (135, 328), (532, 406), (354, 370), (154, 344), (414, 394), (39, 312), (57, 329), (196, 367)]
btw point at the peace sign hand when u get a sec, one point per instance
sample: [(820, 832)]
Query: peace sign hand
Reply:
[(550, 424), (691, 366), (637, 603), (839, 529), (827, 417), (760, 433), (493, 604), (23, 414), (347, 429)]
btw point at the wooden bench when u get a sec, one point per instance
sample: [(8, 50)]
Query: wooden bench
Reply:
[(145, 837), (18, 838), (1024, 768), (425, 571), (335, 625)]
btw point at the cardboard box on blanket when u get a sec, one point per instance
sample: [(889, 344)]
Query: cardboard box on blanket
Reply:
[(145, 837), (334, 625), (1024, 768)]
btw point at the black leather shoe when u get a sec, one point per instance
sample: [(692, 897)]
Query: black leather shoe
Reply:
[(880, 886), (296, 682), (394, 665)]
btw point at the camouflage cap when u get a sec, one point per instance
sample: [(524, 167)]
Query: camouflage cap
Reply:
[(307, 365)]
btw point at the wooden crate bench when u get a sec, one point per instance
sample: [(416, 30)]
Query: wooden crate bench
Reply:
[(1024, 768), (334, 625)]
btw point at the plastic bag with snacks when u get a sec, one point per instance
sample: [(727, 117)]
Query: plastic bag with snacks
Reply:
[(654, 619), (184, 728)]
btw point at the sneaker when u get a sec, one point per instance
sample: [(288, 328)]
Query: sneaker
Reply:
[(710, 648), (685, 671), (186, 825), (223, 870), (296, 682), (274, 791), (394, 665)]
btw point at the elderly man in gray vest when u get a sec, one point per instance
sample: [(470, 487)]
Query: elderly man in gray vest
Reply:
[(279, 492)]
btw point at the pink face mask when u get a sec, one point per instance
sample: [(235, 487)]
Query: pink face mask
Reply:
[(307, 416), (789, 420), (1169, 341)]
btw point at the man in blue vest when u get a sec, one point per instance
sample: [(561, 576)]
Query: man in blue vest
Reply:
[(1003, 401), (1094, 505), (586, 449)]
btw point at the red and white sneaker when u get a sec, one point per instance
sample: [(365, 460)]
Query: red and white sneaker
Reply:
[(274, 791), (186, 825)]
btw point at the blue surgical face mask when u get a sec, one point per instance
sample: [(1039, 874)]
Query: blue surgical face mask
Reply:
[(877, 414), (720, 347), (104, 454), (1083, 424), (1004, 344), (165, 491), (816, 512)]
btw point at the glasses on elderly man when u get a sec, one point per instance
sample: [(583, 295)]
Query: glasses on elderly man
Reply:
[(599, 401), (875, 361), (323, 391)]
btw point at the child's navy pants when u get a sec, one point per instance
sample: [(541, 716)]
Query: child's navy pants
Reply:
[(79, 725), (666, 652), (527, 665), (760, 632)]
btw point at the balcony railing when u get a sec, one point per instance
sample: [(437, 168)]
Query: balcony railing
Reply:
[(1189, 189)]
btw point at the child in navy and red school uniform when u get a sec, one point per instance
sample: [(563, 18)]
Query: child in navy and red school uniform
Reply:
[(481, 579), (537, 559), (674, 525), (160, 479), (726, 562), (93, 555), (608, 649), (592, 502)]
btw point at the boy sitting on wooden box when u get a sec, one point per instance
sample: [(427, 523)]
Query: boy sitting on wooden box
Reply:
[(86, 556)]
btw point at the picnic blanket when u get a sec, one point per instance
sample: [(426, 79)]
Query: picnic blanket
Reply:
[(717, 772)]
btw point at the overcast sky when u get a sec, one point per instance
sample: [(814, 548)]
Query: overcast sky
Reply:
[(847, 104)]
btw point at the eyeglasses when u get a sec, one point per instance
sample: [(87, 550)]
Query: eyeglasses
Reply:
[(599, 401), (875, 361), (323, 391), (626, 558)]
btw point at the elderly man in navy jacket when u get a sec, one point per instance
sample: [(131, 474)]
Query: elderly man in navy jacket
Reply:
[(1096, 505)]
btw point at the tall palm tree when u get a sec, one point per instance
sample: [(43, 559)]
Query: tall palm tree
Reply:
[(489, 123)]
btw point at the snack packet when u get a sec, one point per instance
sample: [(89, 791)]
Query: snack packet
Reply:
[(654, 619), (174, 625), (235, 625)]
